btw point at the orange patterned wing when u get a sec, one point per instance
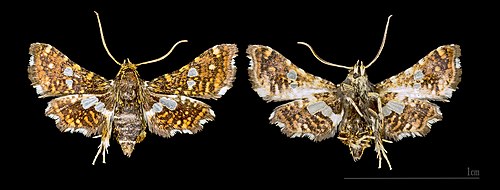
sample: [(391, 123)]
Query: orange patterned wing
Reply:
[(83, 113), (405, 97), (167, 115), (408, 116), (53, 74), (434, 77), (316, 118), (275, 78), (208, 76)]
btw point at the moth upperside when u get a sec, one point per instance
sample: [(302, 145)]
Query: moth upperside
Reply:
[(127, 106)]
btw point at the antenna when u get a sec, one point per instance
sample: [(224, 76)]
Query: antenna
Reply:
[(162, 57), (383, 42), (103, 41), (322, 60)]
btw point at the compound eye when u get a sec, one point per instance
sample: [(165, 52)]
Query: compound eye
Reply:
[(356, 75)]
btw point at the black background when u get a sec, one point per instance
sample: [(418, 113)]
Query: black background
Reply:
[(241, 145)]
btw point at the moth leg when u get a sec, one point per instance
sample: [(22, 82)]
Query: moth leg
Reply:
[(103, 147), (381, 152), (379, 105), (103, 151), (355, 106), (379, 146), (374, 121)]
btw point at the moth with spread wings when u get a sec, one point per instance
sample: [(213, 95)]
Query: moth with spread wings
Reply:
[(94, 106), (357, 110)]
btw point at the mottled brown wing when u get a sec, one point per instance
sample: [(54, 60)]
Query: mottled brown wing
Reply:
[(405, 97), (275, 78), (405, 117), (434, 77), (316, 117), (53, 74), (82, 113), (167, 115), (208, 76)]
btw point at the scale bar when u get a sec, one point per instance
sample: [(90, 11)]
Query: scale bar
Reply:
[(408, 178)]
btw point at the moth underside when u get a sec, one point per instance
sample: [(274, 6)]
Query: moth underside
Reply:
[(126, 106), (362, 114)]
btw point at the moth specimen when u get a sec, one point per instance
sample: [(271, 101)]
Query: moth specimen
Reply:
[(94, 106), (359, 112)]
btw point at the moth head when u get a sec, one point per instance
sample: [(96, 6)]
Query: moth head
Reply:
[(358, 69), (128, 65), (357, 74)]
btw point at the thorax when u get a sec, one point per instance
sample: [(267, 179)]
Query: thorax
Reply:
[(127, 86), (357, 88)]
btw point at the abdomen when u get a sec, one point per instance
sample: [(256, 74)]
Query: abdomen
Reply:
[(127, 127)]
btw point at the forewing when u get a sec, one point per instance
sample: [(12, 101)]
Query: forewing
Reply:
[(82, 113), (167, 115), (208, 76), (53, 74), (404, 117), (434, 77), (316, 118), (275, 78)]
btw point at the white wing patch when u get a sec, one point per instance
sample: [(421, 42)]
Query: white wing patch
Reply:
[(32, 60), (223, 90), (68, 71), (89, 102), (78, 130)]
